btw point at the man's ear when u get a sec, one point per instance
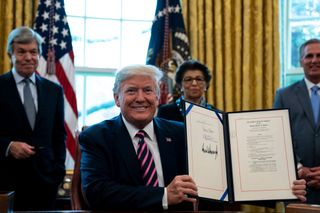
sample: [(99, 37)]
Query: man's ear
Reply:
[(116, 99), (11, 59)]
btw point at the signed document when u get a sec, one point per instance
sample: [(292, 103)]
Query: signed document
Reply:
[(206, 152), (240, 156)]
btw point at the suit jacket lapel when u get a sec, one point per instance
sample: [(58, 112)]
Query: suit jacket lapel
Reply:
[(166, 150), (126, 150), (42, 99), (304, 99), (16, 100)]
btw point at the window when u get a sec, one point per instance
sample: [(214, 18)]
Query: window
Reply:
[(106, 35), (300, 21)]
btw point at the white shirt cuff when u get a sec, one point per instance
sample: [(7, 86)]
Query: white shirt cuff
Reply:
[(8, 148), (165, 199)]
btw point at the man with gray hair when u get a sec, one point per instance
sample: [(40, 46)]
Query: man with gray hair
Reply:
[(303, 100), (136, 161), (32, 133)]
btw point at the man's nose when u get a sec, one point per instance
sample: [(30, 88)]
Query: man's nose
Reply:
[(28, 55), (140, 94), (315, 58)]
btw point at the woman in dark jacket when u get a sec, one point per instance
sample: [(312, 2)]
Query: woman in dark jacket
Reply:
[(192, 80)]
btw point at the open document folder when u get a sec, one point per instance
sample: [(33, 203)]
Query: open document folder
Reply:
[(240, 156)]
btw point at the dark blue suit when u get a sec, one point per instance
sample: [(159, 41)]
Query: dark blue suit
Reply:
[(110, 171), (35, 179), (305, 134)]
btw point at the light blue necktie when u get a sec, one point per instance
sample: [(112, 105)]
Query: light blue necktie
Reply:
[(315, 101)]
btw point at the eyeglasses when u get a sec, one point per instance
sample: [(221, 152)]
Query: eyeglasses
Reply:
[(189, 80)]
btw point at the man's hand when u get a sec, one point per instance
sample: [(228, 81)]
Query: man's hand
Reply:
[(21, 150), (314, 177), (180, 188), (303, 172), (299, 189)]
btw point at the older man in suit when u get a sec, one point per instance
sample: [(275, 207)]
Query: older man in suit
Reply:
[(302, 98), (115, 176), (32, 133), (136, 161)]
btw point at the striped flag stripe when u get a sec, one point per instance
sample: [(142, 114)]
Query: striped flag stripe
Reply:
[(68, 90), (70, 142)]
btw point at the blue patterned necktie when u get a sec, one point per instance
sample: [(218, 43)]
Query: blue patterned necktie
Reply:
[(315, 101), (28, 103), (148, 168)]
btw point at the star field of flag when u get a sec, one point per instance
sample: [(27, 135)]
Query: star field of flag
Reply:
[(59, 36), (179, 43)]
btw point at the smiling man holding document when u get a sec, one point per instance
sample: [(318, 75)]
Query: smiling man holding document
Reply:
[(113, 175)]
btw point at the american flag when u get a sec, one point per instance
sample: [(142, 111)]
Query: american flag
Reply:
[(169, 44), (57, 62)]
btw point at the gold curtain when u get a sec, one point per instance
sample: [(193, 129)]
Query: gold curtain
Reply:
[(239, 41), (13, 13)]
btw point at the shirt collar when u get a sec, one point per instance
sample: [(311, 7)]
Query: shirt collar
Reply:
[(18, 78), (133, 130)]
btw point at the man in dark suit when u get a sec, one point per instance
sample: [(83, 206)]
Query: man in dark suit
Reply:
[(305, 123), (112, 176), (114, 173), (32, 133)]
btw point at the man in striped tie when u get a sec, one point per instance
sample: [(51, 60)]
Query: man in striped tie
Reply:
[(135, 161)]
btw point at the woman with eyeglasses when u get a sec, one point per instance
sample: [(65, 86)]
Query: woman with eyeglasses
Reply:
[(192, 80)]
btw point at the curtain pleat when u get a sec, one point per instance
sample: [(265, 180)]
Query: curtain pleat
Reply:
[(239, 41)]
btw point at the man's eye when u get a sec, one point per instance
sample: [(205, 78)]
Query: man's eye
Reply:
[(131, 91), (148, 90), (312, 55)]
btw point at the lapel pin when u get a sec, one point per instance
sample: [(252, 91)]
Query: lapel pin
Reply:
[(168, 140)]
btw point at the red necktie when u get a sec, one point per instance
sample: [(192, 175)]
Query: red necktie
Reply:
[(149, 172)]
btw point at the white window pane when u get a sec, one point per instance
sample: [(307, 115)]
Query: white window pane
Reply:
[(138, 9), (300, 32), (290, 79), (99, 99), (80, 98), (102, 43), (135, 46), (102, 114), (74, 7), (305, 8), (77, 32), (104, 9)]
